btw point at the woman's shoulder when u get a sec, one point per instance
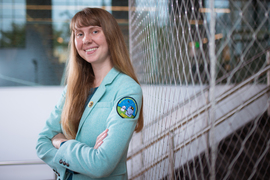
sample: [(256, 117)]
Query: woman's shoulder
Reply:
[(126, 80)]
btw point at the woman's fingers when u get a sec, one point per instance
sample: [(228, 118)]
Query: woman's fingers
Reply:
[(100, 138), (102, 135), (98, 144), (58, 139)]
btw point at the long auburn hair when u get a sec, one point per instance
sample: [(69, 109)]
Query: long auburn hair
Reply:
[(80, 75)]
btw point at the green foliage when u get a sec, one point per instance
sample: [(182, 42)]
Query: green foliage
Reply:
[(14, 38)]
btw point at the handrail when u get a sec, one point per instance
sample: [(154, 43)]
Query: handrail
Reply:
[(196, 112), (244, 64), (16, 80), (12, 163), (203, 131), (205, 89)]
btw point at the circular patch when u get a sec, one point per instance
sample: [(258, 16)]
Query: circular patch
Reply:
[(127, 107)]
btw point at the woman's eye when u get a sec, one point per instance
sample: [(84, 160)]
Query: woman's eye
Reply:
[(95, 32), (79, 34)]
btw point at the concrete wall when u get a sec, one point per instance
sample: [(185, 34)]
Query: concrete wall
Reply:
[(23, 112)]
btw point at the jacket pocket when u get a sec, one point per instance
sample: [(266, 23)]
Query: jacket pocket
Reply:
[(104, 105)]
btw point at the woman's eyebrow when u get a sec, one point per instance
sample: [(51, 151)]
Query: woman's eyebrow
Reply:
[(95, 27), (76, 29), (91, 27)]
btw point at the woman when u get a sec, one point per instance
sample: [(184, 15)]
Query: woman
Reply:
[(88, 133)]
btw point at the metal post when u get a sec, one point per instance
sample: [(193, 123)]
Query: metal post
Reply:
[(268, 81), (207, 120), (212, 89), (171, 156), (142, 134)]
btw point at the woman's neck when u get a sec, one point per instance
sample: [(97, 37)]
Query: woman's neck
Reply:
[(100, 72)]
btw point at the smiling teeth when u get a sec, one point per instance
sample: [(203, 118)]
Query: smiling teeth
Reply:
[(90, 49)]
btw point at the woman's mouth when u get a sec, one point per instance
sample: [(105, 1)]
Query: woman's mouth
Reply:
[(90, 50)]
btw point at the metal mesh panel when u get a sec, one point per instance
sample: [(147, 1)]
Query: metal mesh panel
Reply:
[(204, 71)]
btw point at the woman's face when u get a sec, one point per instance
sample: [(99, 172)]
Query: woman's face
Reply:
[(91, 44)]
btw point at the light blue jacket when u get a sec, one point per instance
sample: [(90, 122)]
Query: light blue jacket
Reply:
[(109, 160)]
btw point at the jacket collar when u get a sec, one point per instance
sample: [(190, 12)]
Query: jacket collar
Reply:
[(109, 78)]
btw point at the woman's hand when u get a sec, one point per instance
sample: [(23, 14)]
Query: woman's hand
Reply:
[(100, 138), (58, 139)]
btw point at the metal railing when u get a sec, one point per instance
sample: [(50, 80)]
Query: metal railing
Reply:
[(196, 113), (12, 163)]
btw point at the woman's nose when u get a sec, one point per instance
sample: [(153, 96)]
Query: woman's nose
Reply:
[(87, 39)]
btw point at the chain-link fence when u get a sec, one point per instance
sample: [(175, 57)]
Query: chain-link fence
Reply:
[(205, 73)]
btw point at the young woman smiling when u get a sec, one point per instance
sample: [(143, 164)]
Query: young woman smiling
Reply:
[(88, 133)]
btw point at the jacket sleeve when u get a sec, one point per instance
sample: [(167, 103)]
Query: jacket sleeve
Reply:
[(45, 150), (101, 162)]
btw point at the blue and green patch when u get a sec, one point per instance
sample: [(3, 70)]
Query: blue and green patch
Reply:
[(127, 107)]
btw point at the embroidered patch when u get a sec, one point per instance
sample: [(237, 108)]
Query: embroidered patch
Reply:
[(127, 107)]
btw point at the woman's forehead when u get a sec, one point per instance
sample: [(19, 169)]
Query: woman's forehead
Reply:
[(86, 27), (83, 20)]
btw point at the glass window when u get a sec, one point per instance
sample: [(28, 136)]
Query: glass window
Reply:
[(34, 37)]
